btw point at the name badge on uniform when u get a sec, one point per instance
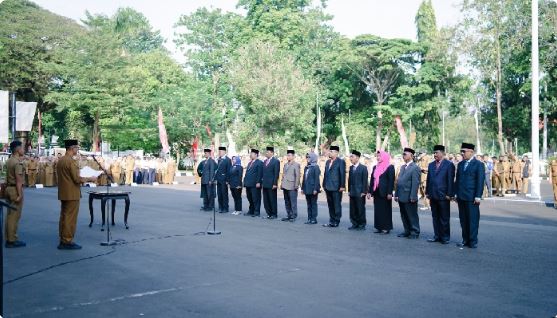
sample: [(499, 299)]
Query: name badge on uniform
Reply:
[(39, 186)]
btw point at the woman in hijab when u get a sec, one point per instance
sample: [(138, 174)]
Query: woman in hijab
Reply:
[(311, 186), (235, 183), (381, 188)]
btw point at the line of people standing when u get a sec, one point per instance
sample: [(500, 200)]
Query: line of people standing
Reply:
[(444, 183)]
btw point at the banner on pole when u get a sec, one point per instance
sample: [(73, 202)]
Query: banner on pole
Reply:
[(4, 117), (25, 114)]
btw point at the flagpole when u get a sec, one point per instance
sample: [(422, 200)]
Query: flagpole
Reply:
[(535, 185)]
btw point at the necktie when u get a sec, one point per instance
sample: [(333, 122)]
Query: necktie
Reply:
[(466, 165), (437, 165), (251, 162), (267, 162)]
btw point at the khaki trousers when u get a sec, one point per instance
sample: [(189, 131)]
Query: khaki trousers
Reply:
[(525, 185), (129, 176), (68, 220), (13, 216), (517, 182)]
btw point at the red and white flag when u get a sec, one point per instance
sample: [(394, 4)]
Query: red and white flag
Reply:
[(162, 134)]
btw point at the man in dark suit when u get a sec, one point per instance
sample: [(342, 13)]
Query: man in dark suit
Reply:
[(208, 181), (469, 187), (271, 172), (358, 185), (223, 169), (406, 195), (439, 191), (334, 180), (252, 183)]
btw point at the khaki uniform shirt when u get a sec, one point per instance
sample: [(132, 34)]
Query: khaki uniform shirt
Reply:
[(69, 188)]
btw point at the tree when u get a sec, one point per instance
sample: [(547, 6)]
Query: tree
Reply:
[(382, 66), (277, 100)]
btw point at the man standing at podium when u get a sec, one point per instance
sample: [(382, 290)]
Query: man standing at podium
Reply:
[(69, 194)]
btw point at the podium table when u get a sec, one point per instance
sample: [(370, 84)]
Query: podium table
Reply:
[(105, 196)]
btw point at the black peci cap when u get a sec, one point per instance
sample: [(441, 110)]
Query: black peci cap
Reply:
[(70, 142), (438, 148), (410, 150), (255, 151), (467, 146), (222, 148), (337, 148), (271, 149), (356, 153), (290, 151), (206, 150)]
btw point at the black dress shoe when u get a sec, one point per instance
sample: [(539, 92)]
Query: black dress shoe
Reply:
[(285, 219), (377, 231), (15, 244), (473, 246), (463, 244), (444, 242), (308, 222), (248, 214), (384, 232), (413, 236), (403, 235), (271, 217), (70, 246), (432, 240), (330, 225), (313, 222), (353, 227)]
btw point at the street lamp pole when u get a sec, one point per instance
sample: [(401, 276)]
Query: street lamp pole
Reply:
[(535, 186)]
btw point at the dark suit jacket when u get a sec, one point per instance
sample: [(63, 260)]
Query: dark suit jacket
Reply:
[(271, 173), (334, 177), (253, 174), (209, 169), (386, 182), (469, 183), (358, 181), (408, 183), (235, 177), (311, 180), (440, 182), (200, 168), (223, 169)]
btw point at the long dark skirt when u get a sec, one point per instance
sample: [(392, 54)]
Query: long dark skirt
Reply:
[(383, 213)]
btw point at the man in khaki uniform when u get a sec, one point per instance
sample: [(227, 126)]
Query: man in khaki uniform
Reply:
[(115, 171), (500, 182), (553, 178), (69, 194), (423, 163), (506, 174), (32, 167), (290, 183), (14, 193), (130, 165), (171, 170), (49, 174), (516, 168)]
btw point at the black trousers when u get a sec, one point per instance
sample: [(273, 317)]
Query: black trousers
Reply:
[(358, 211), (152, 175), (291, 203), (469, 214), (146, 176), (311, 200), (237, 196), (334, 201), (222, 194), (441, 215), (409, 216), (208, 192), (270, 201), (254, 199)]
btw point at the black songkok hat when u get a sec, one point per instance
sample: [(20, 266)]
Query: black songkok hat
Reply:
[(467, 146), (290, 151), (222, 148), (439, 147), (255, 151), (410, 150), (70, 142), (356, 153), (271, 149), (335, 148), (206, 150)]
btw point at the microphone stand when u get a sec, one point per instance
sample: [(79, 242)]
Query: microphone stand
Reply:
[(108, 241), (214, 231)]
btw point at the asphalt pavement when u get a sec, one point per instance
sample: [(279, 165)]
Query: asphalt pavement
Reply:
[(166, 266)]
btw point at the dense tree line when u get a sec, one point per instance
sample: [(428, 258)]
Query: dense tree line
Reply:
[(280, 74)]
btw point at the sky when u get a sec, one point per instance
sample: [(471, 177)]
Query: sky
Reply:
[(386, 18)]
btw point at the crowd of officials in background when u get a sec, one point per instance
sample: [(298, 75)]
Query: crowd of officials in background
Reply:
[(465, 178)]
